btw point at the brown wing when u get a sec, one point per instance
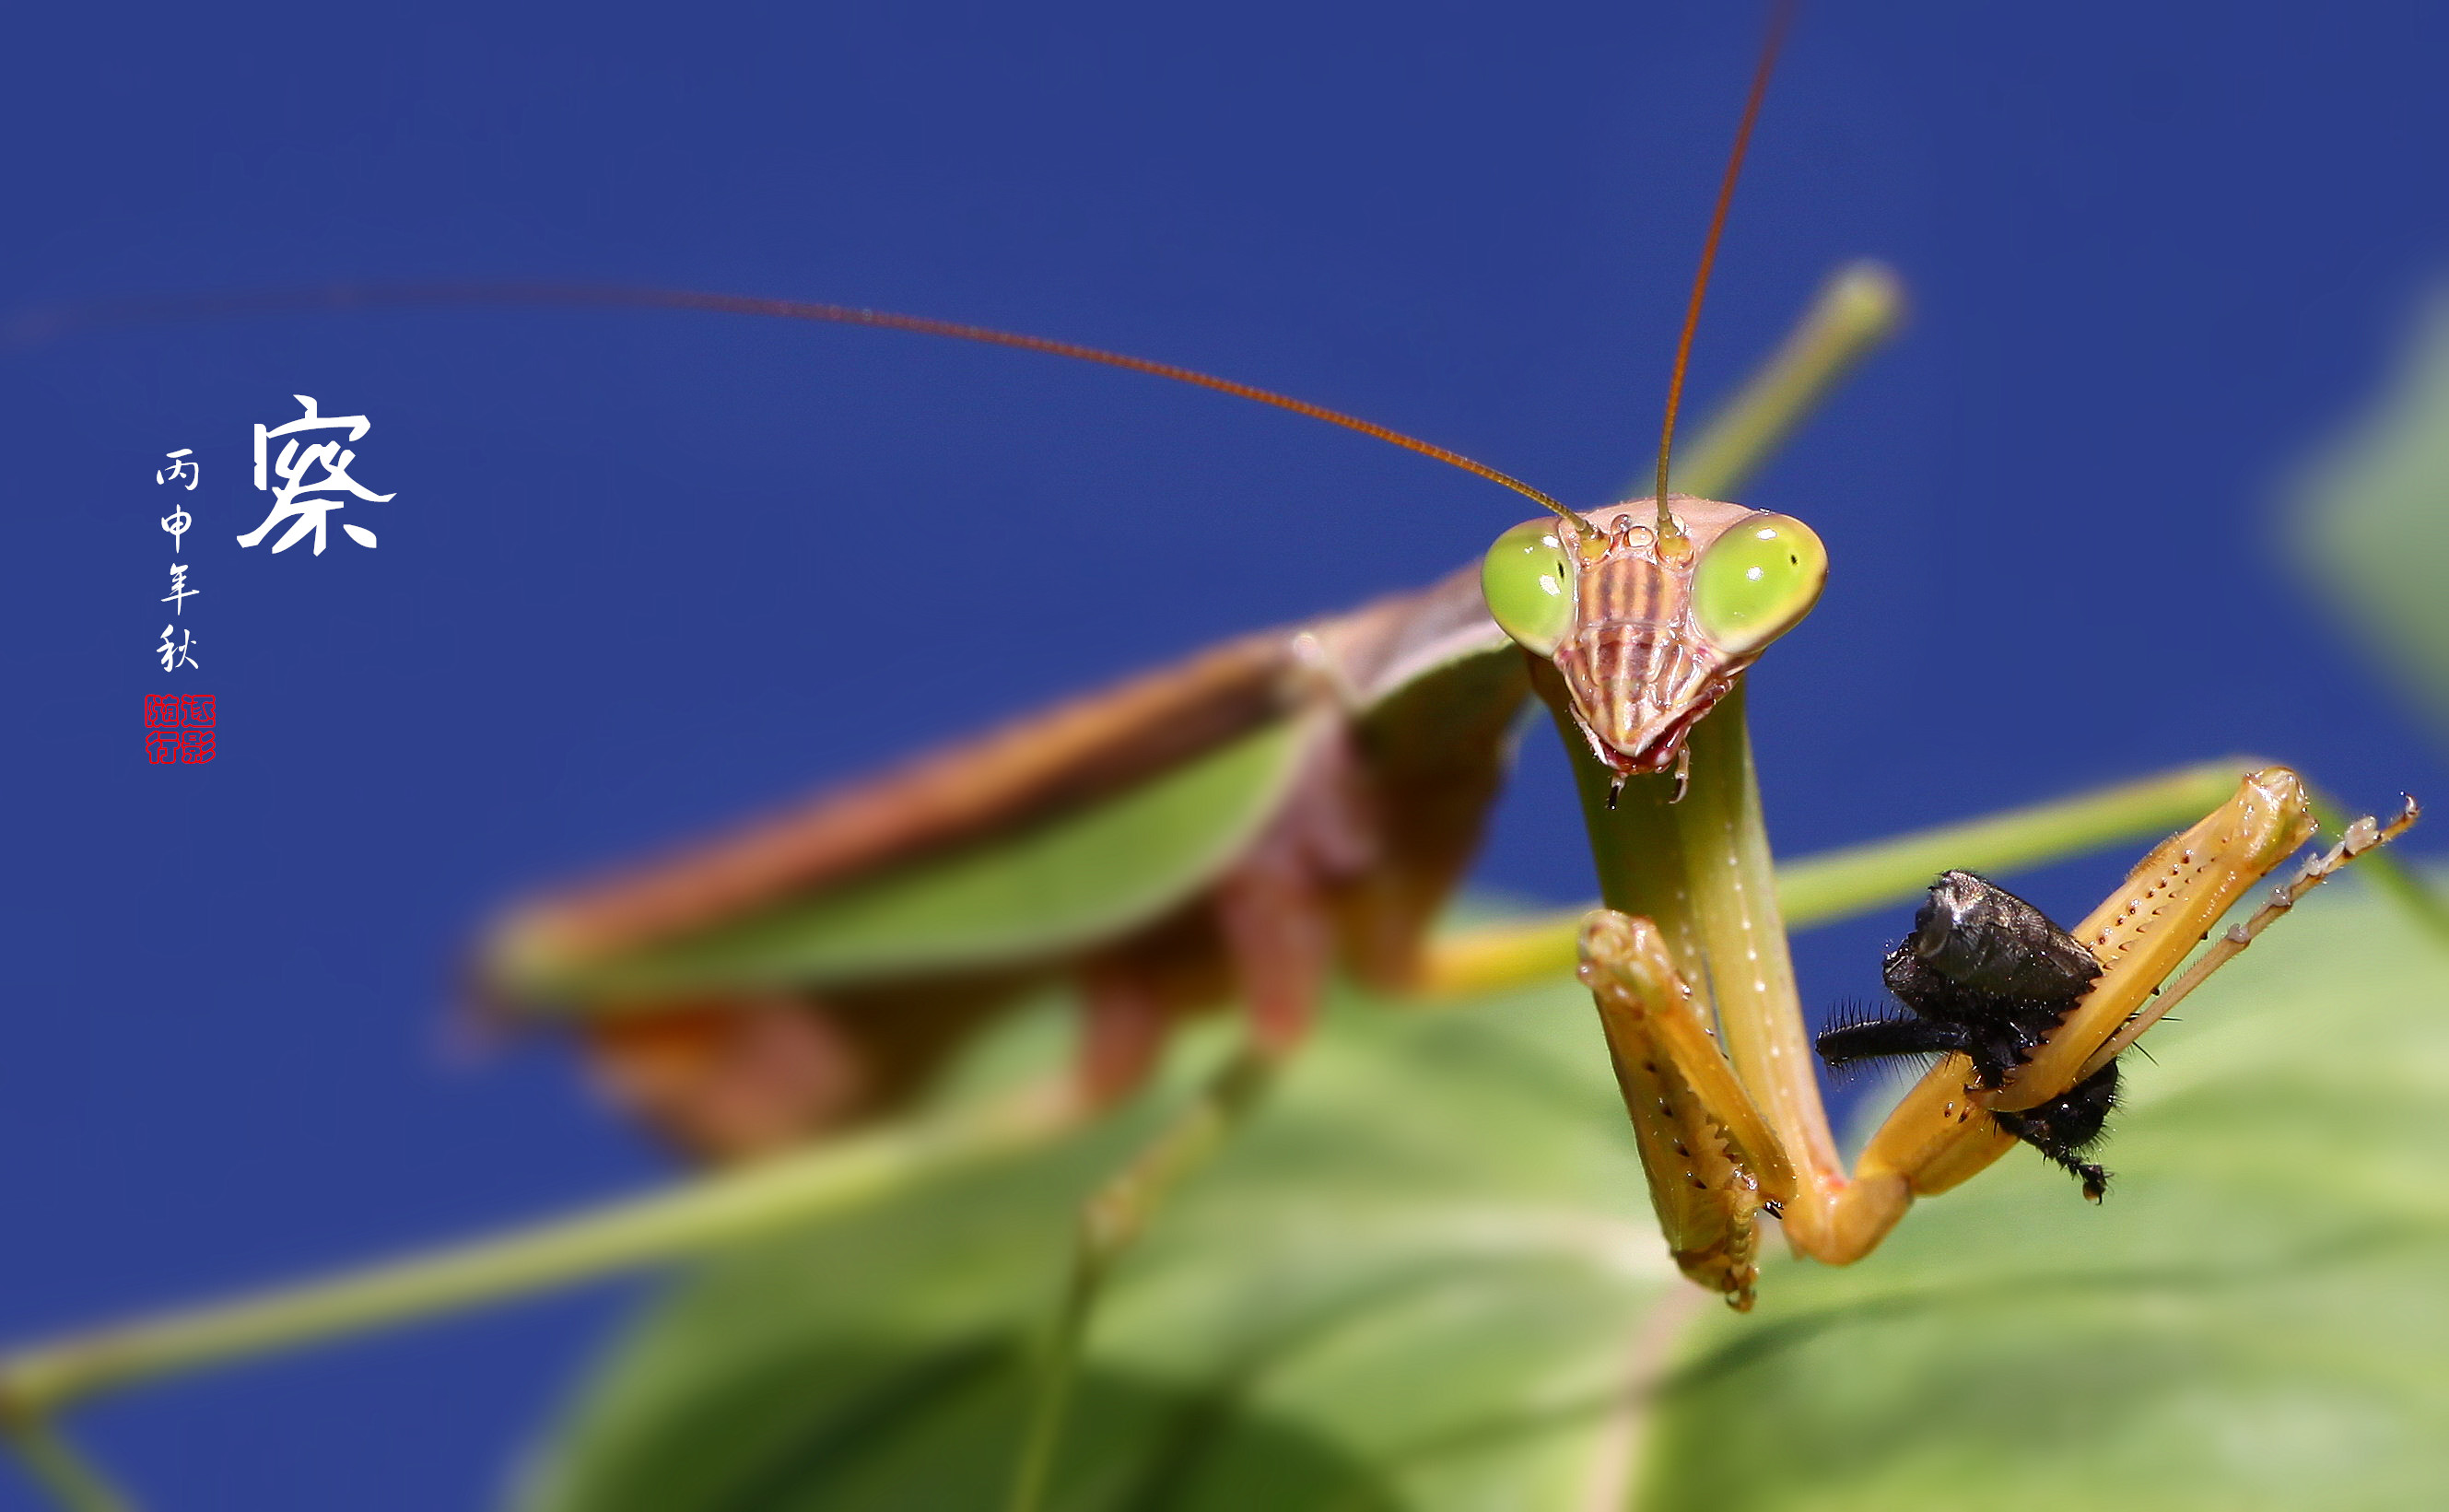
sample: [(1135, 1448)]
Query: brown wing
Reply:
[(1404, 705), (1033, 770)]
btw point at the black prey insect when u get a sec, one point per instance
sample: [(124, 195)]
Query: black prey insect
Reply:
[(1986, 973)]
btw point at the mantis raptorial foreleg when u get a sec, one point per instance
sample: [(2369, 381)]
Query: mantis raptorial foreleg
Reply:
[(1714, 1162), (1725, 1133)]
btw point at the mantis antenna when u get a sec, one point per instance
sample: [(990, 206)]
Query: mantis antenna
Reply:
[(346, 295), (1780, 18)]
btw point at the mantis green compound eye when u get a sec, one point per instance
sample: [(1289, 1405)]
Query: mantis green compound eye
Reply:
[(1757, 581), (1528, 579)]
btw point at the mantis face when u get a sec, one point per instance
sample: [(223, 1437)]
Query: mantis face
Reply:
[(1648, 631)]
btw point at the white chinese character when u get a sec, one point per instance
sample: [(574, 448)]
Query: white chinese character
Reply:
[(179, 593), (291, 467), (175, 657), (192, 471), (176, 522)]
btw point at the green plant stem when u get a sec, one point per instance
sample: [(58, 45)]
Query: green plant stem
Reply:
[(1858, 308), (625, 1235), (1842, 883), (1110, 1221), (1855, 879), (53, 1463)]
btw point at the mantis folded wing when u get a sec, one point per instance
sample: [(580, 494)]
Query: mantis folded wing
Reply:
[(1285, 801)]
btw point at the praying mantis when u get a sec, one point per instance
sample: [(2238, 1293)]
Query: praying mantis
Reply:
[(1287, 686), (1305, 798)]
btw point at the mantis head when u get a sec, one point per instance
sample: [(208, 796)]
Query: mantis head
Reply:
[(1648, 627)]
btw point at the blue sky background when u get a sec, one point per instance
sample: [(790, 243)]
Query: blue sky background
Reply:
[(646, 572)]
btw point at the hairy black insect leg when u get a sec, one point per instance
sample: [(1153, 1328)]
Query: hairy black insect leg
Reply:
[(2063, 1127), (1874, 1038)]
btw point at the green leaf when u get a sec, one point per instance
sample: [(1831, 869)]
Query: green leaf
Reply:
[(2373, 523), (1424, 1276), (1410, 1280)]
